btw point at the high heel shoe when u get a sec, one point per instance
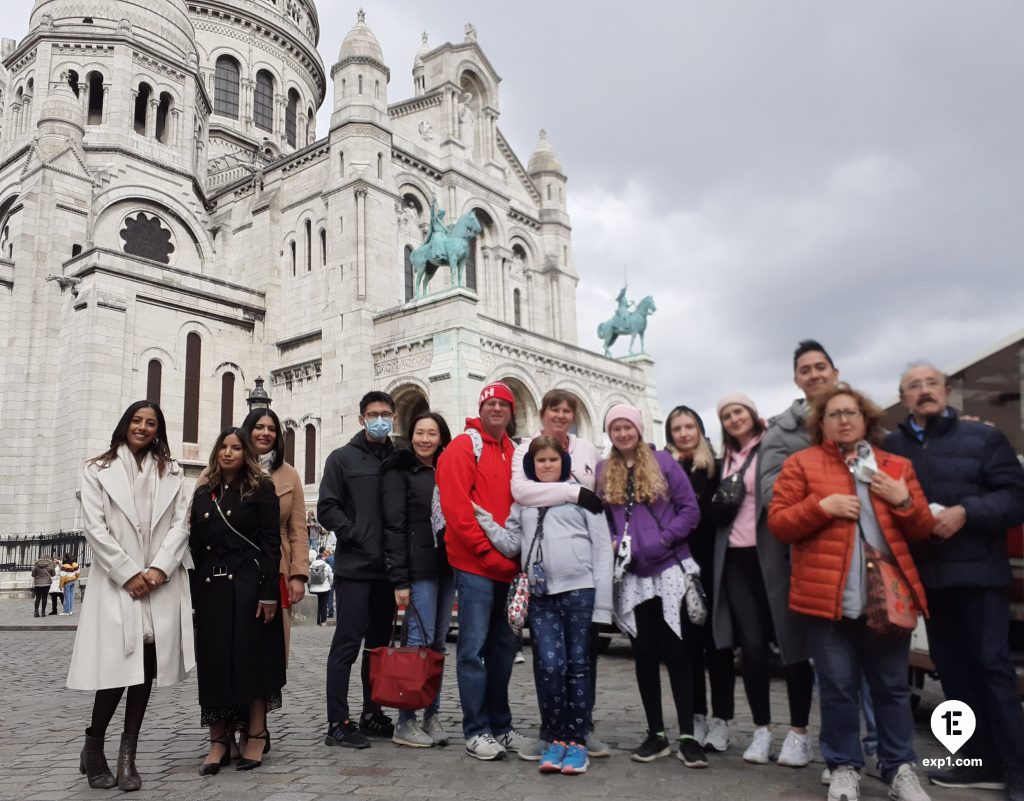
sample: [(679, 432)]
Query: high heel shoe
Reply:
[(213, 768), (252, 764), (243, 740)]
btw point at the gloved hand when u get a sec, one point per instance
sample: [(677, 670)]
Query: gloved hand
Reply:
[(589, 501)]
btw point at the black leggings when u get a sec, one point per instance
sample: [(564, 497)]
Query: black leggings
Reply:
[(743, 588), (721, 670), (106, 702), (655, 643), (40, 600)]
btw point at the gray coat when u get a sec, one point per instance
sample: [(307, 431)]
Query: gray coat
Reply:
[(787, 433)]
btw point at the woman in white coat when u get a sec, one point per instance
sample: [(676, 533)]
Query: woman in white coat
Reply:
[(136, 623)]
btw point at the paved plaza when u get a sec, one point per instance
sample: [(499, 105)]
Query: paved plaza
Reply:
[(43, 723)]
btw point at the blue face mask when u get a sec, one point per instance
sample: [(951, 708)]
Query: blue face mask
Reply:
[(378, 428)]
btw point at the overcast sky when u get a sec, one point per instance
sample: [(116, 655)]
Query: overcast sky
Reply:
[(773, 171)]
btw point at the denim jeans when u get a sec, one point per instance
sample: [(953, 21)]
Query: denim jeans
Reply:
[(483, 655), (69, 597), (433, 601), (846, 652), (560, 628)]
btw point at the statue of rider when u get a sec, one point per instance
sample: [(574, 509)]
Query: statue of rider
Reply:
[(437, 227), (624, 308)]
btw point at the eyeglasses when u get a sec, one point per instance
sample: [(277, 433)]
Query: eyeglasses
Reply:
[(381, 415), (843, 414), (917, 386)]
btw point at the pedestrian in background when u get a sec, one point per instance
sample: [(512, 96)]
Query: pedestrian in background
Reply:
[(321, 578), (42, 574), (653, 511), (136, 624), (56, 596), (686, 440), (69, 573)]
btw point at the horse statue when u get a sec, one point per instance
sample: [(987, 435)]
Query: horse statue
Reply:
[(451, 249), (633, 323)]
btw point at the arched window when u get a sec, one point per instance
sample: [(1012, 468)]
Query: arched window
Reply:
[(323, 248), (310, 127), (162, 111), (142, 107), (289, 446), (517, 309), (410, 278), (309, 246), (73, 81), (549, 191), (227, 399), (263, 101), (380, 165), (360, 84), (485, 235), (95, 81), (376, 90), (154, 377), (291, 246), (225, 87), (193, 357), (341, 164), (310, 477), (291, 122)]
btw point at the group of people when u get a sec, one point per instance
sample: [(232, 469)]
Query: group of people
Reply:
[(778, 538), (56, 578)]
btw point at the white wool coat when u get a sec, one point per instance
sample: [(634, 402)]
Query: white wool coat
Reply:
[(108, 645)]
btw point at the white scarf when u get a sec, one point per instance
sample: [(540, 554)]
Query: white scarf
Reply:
[(142, 479), (266, 460)]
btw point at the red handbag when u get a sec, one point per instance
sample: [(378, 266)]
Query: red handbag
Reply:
[(407, 676), (890, 609)]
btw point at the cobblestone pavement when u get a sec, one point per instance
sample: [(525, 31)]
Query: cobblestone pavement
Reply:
[(42, 725)]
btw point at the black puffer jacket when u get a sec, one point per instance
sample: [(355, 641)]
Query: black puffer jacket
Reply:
[(973, 465), (410, 549), (702, 540), (350, 506)]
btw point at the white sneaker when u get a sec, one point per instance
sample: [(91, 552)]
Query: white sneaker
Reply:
[(845, 785), (760, 747), (411, 734), (717, 738), (484, 747), (700, 728), (796, 750), (519, 658), (527, 747), (432, 726), (826, 777), (905, 785)]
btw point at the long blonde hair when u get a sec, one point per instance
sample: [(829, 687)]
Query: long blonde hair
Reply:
[(649, 482)]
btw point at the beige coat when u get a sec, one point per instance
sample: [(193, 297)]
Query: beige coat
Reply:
[(294, 537), (108, 645)]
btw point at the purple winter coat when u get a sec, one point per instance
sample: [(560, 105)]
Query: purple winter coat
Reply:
[(658, 541)]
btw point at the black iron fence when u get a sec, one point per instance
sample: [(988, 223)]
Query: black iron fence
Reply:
[(20, 552)]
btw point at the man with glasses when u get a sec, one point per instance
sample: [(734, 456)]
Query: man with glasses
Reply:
[(349, 508), (975, 484)]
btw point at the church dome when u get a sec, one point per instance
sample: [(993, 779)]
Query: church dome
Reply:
[(544, 158), (361, 43), (162, 23)]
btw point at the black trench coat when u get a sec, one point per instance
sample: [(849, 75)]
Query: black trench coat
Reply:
[(239, 658)]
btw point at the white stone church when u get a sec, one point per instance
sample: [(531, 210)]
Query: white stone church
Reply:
[(171, 228)]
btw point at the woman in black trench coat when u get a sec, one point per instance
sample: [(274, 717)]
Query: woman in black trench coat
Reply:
[(236, 546)]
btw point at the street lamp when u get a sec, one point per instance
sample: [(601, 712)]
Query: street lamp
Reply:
[(258, 398)]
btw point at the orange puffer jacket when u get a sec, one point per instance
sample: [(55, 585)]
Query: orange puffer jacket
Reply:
[(822, 544)]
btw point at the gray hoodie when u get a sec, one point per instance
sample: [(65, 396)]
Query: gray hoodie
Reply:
[(577, 549)]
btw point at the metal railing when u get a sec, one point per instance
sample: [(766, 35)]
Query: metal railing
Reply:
[(20, 552)]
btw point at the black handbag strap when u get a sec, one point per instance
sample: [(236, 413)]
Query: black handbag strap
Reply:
[(746, 463), (538, 536)]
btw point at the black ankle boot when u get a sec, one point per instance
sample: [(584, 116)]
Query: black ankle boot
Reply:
[(94, 765), (128, 778)]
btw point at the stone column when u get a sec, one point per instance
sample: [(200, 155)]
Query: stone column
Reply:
[(361, 287), (106, 104), (154, 104), (83, 98), (174, 129), (131, 110), (248, 89)]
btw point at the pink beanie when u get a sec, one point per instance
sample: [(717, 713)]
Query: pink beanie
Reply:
[(499, 390), (741, 399), (623, 411)]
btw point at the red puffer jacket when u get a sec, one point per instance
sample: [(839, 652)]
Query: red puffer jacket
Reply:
[(822, 544)]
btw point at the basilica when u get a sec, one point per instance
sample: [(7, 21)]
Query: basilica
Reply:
[(172, 228)]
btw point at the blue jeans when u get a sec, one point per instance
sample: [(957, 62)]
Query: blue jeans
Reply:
[(484, 654), (69, 597), (845, 653), (560, 627), (433, 601)]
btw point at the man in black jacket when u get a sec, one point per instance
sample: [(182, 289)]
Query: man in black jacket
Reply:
[(349, 507), (972, 478)]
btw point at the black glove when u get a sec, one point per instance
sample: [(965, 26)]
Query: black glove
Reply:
[(589, 501)]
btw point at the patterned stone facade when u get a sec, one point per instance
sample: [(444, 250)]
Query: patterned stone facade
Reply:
[(171, 227)]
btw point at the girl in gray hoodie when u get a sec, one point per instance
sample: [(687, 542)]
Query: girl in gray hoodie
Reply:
[(567, 552)]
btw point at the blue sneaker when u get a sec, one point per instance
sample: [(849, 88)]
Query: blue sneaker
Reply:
[(575, 760), (551, 759)]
